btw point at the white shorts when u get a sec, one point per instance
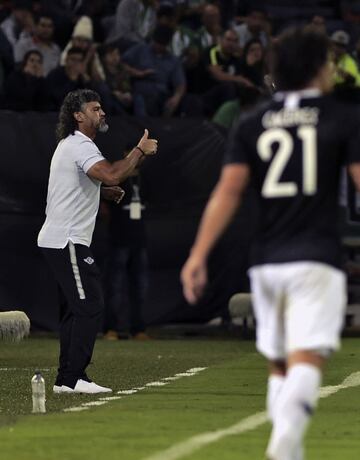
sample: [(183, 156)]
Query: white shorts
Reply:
[(298, 306)]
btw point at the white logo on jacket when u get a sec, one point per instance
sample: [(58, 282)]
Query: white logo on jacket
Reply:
[(89, 260)]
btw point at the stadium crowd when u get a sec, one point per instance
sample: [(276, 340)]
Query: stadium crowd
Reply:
[(158, 57)]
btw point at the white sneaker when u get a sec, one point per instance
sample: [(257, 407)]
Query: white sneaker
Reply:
[(57, 388), (84, 387)]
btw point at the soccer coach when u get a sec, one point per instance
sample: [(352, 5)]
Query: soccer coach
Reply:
[(77, 170)]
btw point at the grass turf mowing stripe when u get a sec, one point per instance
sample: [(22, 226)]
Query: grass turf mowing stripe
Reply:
[(252, 422), (160, 383)]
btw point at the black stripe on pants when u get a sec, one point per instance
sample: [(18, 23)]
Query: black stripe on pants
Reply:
[(81, 309)]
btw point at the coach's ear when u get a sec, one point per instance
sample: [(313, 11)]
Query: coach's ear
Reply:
[(79, 117)]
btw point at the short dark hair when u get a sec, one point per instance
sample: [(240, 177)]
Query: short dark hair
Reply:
[(166, 10), (163, 35), (73, 102), (42, 15), (297, 56), (28, 54)]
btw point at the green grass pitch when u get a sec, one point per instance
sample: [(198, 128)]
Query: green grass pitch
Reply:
[(139, 425)]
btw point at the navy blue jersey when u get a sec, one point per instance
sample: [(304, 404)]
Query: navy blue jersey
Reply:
[(295, 146)]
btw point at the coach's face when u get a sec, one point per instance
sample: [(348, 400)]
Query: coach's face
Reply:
[(92, 118)]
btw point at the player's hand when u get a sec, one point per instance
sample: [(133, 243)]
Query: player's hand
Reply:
[(194, 279), (112, 193), (148, 146)]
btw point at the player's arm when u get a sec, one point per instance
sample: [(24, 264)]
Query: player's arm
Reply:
[(354, 171), (218, 213), (114, 173)]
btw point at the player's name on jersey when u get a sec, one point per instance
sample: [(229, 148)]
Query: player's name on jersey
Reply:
[(290, 117)]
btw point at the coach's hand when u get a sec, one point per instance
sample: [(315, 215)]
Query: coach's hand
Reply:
[(194, 278), (148, 146), (112, 193)]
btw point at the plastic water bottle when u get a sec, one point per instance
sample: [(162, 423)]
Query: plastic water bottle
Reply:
[(38, 393)]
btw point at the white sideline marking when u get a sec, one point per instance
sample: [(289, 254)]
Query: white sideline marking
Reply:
[(127, 392), (194, 443), (156, 384), (94, 403), (160, 383), (75, 409), (25, 369)]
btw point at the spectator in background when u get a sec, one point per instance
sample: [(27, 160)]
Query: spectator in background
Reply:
[(347, 72), (20, 23), (159, 80), (135, 20), (6, 58), (208, 34), (117, 79), (65, 14), (190, 12), (23, 89), (166, 15), (230, 112), (127, 267), (42, 40), (70, 77), (254, 25), (252, 63), (318, 23), (82, 37), (222, 66)]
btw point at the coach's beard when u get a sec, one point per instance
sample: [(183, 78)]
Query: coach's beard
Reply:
[(103, 128)]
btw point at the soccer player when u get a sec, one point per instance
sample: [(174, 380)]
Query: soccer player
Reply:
[(76, 173), (292, 149)]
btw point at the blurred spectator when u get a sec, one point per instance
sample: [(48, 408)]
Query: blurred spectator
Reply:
[(255, 25), (206, 35), (82, 37), (318, 23), (229, 113), (222, 66), (223, 63), (23, 89), (356, 53), (117, 79), (166, 15), (209, 33), (135, 21), (20, 23), (190, 12), (127, 266), (6, 58), (346, 69), (159, 80), (42, 40), (65, 14), (67, 78), (252, 63)]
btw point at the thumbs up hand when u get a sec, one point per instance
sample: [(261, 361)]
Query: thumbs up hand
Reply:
[(148, 146)]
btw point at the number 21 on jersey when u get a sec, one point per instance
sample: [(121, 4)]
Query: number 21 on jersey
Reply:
[(272, 186)]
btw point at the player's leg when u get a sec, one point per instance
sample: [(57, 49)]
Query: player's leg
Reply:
[(295, 405), (266, 291), (313, 319), (79, 279), (277, 374), (84, 294)]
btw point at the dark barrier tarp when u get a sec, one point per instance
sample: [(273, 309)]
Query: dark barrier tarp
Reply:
[(176, 184)]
